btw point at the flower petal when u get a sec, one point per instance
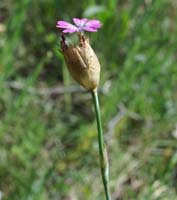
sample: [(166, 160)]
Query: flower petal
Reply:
[(68, 28), (63, 24), (83, 21), (95, 24), (80, 22), (77, 21), (86, 28)]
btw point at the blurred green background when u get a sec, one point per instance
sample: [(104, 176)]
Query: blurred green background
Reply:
[(48, 135)]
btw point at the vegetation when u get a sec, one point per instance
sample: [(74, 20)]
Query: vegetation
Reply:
[(48, 135)]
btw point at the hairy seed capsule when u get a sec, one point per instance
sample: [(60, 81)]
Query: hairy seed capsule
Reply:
[(82, 63)]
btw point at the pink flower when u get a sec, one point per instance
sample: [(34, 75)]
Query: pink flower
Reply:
[(80, 25)]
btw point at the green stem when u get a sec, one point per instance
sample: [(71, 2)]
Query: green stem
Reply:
[(102, 148)]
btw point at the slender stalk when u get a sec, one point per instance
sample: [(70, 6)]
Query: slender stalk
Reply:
[(104, 165)]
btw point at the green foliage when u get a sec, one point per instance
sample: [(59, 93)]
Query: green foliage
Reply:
[(48, 142)]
